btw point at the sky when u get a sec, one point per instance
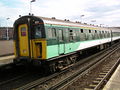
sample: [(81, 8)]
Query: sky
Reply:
[(104, 12)]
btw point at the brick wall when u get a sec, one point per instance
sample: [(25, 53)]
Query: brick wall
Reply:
[(3, 33)]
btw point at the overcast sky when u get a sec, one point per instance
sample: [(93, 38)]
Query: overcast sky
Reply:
[(105, 12)]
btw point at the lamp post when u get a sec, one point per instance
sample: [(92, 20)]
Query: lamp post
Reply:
[(31, 6), (81, 17), (7, 29)]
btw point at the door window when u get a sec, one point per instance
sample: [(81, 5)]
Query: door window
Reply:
[(71, 37), (61, 35), (23, 31), (52, 33)]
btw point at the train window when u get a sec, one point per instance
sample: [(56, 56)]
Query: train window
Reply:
[(53, 32), (108, 34), (49, 33), (95, 31), (81, 30), (38, 31), (71, 35), (89, 31), (23, 31), (99, 34), (60, 32)]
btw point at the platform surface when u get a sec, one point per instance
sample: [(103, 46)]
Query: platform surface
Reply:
[(114, 81), (6, 47), (6, 59)]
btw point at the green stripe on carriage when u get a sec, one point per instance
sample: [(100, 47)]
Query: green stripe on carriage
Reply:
[(54, 50)]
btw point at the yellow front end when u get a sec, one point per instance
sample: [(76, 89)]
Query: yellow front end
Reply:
[(32, 49)]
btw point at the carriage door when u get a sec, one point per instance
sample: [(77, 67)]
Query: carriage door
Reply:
[(61, 45), (23, 40)]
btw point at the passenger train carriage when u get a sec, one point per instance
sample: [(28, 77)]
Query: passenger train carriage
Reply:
[(40, 39)]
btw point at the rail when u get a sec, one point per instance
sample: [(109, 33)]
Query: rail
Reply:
[(107, 76)]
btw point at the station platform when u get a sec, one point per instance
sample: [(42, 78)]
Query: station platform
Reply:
[(114, 81), (6, 60)]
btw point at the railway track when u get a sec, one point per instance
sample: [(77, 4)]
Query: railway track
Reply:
[(105, 76), (19, 81), (97, 77), (63, 79), (14, 77)]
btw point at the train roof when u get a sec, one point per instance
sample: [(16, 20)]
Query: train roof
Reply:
[(115, 29), (65, 22), (54, 21)]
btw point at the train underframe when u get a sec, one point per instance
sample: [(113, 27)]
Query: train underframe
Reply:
[(65, 61)]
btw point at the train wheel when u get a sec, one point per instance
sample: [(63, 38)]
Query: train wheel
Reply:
[(52, 68)]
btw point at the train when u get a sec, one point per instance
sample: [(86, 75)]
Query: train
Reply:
[(54, 44)]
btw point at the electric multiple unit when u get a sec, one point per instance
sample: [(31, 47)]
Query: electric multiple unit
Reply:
[(40, 39)]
